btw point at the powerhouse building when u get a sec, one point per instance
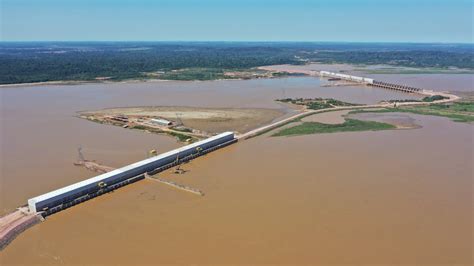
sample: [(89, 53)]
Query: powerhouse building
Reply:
[(68, 195), (346, 77)]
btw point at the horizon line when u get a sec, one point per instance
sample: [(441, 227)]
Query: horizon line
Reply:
[(226, 41)]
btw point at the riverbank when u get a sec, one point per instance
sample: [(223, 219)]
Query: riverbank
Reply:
[(269, 71), (188, 74)]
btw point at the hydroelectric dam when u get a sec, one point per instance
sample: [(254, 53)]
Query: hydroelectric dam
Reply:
[(44, 205), (71, 195), (371, 82)]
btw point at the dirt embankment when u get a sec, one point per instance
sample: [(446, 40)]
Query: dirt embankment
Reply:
[(12, 224)]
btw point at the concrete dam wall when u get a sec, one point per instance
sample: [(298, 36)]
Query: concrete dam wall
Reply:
[(67, 196)]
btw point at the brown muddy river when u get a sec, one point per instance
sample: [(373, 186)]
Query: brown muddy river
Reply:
[(402, 196)]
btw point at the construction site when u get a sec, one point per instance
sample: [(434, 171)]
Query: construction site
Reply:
[(151, 124), (186, 124)]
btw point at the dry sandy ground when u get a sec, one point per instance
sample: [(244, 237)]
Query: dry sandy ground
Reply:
[(211, 120)]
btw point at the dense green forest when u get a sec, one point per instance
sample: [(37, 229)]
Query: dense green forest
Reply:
[(438, 59), (55, 61)]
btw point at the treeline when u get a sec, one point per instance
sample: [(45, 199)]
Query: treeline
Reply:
[(117, 62), (439, 59), (38, 62)]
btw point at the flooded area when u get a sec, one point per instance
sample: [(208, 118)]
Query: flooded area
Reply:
[(395, 196)]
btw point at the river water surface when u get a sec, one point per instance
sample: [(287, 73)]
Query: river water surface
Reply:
[(401, 196)]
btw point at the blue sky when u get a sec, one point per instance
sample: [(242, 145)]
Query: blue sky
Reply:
[(237, 20)]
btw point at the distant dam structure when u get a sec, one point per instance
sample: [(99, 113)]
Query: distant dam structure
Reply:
[(370, 82), (71, 195)]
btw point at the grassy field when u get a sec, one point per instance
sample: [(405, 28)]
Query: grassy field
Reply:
[(457, 111), (348, 126)]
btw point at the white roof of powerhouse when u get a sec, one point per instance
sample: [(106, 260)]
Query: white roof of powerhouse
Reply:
[(160, 120), (123, 169)]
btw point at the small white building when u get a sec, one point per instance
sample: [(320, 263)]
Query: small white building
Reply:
[(161, 122)]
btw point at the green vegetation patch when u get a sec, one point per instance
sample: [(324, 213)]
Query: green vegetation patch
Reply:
[(140, 127), (182, 137), (193, 74), (349, 125), (467, 107), (340, 103), (183, 129), (433, 98), (404, 101), (316, 103)]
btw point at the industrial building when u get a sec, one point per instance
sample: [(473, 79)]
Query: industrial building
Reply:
[(346, 77), (84, 190), (161, 122)]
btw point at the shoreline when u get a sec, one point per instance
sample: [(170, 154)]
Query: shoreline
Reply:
[(288, 68), (131, 81), (77, 82)]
